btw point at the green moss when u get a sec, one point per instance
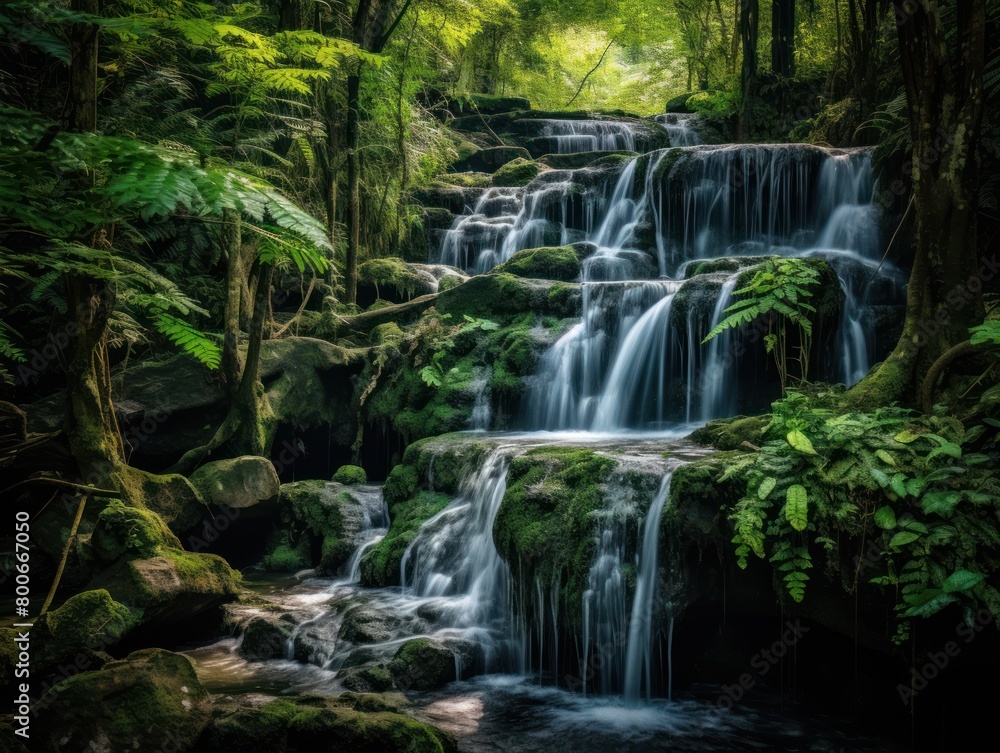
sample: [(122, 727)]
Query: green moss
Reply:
[(400, 485), (558, 263), (732, 433), (123, 530), (444, 464), (422, 664), (498, 295), (380, 566), (286, 725), (391, 272), (466, 180), (288, 558), (545, 524), (90, 620), (450, 281), (385, 334), (516, 173), (350, 474)]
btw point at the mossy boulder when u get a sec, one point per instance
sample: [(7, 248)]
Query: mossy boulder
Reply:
[(582, 159), (171, 587), (245, 483), (372, 679), (126, 531), (504, 294), (150, 701), (264, 637), (305, 724), (350, 474), (171, 496), (516, 173), (366, 623), (422, 664), (491, 159), (317, 524), (552, 263), (394, 280), (88, 622), (734, 433)]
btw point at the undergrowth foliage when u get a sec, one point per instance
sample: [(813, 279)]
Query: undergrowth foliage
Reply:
[(919, 486)]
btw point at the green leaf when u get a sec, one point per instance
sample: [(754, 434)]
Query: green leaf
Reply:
[(961, 580), (933, 605), (902, 539), (797, 507), (885, 518), (885, 457), (880, 477), (940, 503), (906, 436), (898, 484), (800, 442), (766, 487)]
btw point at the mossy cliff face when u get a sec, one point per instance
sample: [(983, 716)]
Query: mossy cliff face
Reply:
[(545, 527)]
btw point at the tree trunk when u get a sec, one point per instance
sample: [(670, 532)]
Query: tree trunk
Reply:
[(944, 89), (353, 189), (749, 26), (297, 15), (232, 242), (783, 37)]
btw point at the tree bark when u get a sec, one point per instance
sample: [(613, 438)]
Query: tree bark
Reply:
[(353, 188), (944, 90), (749, 26), (783, 37), (232, 242)]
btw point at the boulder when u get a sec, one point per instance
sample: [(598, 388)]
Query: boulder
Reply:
[(516, 173), (305, 724), (150, 701), (350, 474), (264, 637), (581, 159), (245, 483), (369, 679), (88, 622), (552, 263), (422, 664), (492, 159)]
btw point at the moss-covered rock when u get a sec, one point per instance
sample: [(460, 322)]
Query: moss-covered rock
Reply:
[(372, 679), (147, 702), (239, 483), (516, 173), (545, 524), (394, 279), (264, 637), (126, 531), (172, 587), (504, 294), (732, 433), (350, 474), (364, 622), (582, 159), (552, 263), (316, 526), (422, 664), (88, 621), (304, 724)]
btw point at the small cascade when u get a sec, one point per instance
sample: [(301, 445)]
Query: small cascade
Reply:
[(639, 654), (482, 410), (573, 136), (711, 388), (680, 128), (453, 564), (604, 605)]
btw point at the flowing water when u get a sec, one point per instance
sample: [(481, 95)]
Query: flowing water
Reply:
[(668, 236)]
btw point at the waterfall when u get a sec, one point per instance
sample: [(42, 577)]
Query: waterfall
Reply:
[(680, 128), (453, 559), (572, 136), (716, 371), (639, 655)]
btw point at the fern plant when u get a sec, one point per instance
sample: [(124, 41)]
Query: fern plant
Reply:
[(777, 291)]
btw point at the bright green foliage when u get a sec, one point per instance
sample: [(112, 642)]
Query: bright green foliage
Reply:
[(778, 290), (909, 481)]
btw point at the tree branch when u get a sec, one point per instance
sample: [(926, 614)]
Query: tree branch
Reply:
[(590, 73)]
